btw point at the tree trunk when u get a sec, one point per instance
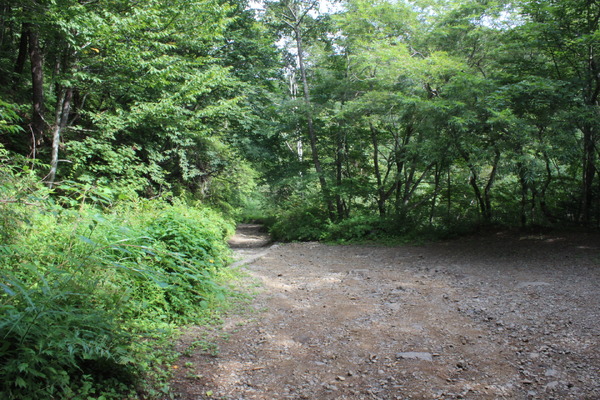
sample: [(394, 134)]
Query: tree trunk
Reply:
[(591, 95), (63, 109), (524, 191), (437, 176), (475, 185), (449, 192), (543, 205), (589, 171), (311, 130), (339, 170), (399, 156), (412, 185), (488, 187), (380, 190), (23, 47), (37, 83), (293, 88)]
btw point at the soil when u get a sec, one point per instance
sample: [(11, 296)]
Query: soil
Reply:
[(500, 315)]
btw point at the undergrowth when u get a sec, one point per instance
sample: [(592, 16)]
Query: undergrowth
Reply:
[(92, 292), (312, 223)]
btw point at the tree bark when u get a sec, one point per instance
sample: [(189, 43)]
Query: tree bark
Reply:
[(380, 190), (23, 47), (488, 186), (437, 175), (543, 205), (591, 96), (589, 171), (524, 190), (63, 109), (309, 119), (449, 192), (339, 173), (37, 82), (400, 161)]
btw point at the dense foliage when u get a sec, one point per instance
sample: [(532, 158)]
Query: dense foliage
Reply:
[(116, 119), (144, 97), (85, 288), (436, 116), (133, 134)]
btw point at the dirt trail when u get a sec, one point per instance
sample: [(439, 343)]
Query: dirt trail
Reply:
[(499, 316)]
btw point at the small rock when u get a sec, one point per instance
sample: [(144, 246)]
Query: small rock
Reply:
[(413, 355), (462, 365), (522, 285), (331, 388)]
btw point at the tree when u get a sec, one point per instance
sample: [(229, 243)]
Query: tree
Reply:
[(294, 14), (566, 35), (139, 91)]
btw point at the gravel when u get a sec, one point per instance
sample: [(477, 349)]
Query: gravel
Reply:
[(494, 316)]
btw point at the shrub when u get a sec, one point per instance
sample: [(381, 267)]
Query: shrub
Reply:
[(301, 223), (56, 346), (60, 328), (197, 234), (355, 228), (85, 291)]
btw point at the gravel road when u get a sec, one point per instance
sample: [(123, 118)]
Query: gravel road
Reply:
[(496, 316)]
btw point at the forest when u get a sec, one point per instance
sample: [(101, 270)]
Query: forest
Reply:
[(134, 135)]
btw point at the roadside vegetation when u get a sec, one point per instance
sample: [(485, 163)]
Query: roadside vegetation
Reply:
[(94, 291)]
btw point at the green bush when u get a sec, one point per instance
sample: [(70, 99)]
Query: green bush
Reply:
[(61, 331), (198, 235), (301, 223), (87, 293), (311, 223), (56, 346), (354, 228), (189, 247)]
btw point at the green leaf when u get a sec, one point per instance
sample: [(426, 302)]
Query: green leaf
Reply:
[(86, 240), (7, 289)]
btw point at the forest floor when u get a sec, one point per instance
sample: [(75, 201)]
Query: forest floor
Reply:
[(500, 315)]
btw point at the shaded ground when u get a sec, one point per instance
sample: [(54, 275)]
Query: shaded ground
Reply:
[(500, 316), (249, 236)]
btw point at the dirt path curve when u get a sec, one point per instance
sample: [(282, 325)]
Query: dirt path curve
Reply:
[(499, 316)]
